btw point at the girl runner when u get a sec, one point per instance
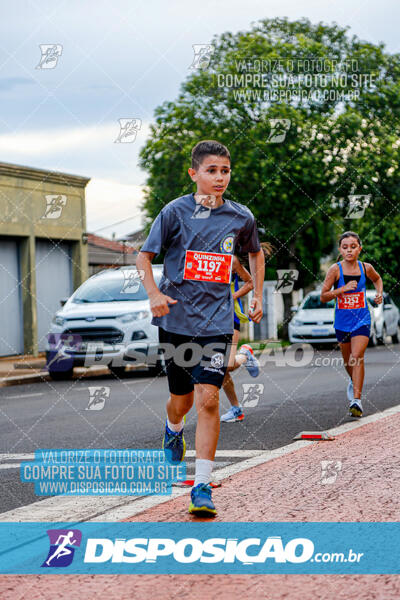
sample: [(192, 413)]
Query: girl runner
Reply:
[(352, 315)]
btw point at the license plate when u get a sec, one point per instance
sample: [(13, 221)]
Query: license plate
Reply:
[(320, 331)]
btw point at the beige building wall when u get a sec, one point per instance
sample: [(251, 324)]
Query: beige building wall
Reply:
[(36, 203)]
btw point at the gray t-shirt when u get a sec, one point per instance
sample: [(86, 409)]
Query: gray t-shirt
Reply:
[(204, 308)]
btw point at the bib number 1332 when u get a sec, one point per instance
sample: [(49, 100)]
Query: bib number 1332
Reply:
[(208, 266)]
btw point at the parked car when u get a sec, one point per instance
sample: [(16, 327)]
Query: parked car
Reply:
[(111, 309), (387, 318), (313, 320)]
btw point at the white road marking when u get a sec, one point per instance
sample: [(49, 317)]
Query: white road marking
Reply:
[(117, 508), (19, 457), (24, 396)]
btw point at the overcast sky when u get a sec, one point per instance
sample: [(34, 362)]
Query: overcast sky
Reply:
[(121, 59)]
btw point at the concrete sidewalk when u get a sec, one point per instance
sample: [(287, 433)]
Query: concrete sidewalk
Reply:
[(360, 483)]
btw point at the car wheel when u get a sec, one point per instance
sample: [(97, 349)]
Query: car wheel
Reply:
[(118, 372), (373, 340), (381, 340), (159, 370), (61, 375), (396, 336)]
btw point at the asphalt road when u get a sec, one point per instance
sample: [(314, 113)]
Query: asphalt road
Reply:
[(309, 396)]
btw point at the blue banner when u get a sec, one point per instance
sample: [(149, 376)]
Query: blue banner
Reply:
[(199, 548)]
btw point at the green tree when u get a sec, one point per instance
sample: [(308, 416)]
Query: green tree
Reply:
[(339, 130)]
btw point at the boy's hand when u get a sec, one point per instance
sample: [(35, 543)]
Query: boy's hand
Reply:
[(159, 304), (378, 298), (256, 312)]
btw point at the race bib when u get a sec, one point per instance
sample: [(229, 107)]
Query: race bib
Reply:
[(353, 300), (208, 266)]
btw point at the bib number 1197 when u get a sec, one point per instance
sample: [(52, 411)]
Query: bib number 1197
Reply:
[(208, 266)]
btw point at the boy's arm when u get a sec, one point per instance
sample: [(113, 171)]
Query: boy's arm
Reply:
[(257, 269), (158, 301)]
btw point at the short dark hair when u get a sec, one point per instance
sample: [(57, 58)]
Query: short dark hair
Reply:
[(347, 234), (205, 148)]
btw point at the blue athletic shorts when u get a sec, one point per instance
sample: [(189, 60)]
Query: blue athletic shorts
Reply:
[(345, 336)]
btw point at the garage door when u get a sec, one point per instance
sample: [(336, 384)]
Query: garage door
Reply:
[(53, 282), (11, 322)]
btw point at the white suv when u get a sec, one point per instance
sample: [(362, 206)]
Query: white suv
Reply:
[(106, 314)]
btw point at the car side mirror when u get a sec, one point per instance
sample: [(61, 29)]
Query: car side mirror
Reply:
[(293, 309), (63, 301), (387, 306)]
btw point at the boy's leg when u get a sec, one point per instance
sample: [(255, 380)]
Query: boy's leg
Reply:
[(207, 430), (178, 407)]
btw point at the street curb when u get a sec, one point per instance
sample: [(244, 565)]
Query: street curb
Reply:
[(20, 379), (44, 376)]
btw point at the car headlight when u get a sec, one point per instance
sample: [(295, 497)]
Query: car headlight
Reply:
[(134, 316), (57, 320), (297, 322)]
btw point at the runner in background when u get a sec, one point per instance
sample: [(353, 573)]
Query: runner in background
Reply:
[(352, 314), (245, 355)]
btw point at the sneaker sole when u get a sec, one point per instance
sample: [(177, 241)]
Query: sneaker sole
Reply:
[(235, 420), (202, 510), (356, 412)]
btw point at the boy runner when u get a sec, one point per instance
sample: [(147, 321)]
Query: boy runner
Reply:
[(194, 304), (352, 314)]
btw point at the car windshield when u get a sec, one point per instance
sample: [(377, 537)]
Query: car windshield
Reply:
[(127, 286), (315, 302)]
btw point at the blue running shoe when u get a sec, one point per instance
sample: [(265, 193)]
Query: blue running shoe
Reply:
[(174, 446), (356, 409), (234, 414), (201, 503), (350, 392), (252, 364)]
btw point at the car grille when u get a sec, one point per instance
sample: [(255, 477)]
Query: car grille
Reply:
[(108, 335)]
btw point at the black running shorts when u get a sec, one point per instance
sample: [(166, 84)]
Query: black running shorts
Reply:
[(191, 360)]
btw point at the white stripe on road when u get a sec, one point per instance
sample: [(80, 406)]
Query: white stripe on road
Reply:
[(19, 457), (24, 396), (116, 508)]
